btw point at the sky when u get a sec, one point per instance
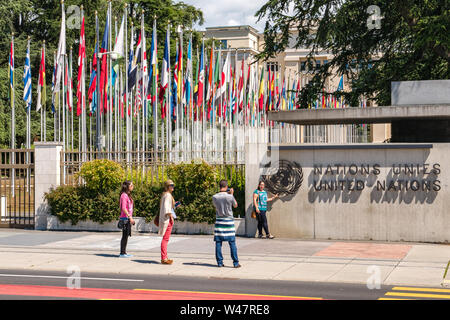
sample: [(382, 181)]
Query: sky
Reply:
[(228, 12)]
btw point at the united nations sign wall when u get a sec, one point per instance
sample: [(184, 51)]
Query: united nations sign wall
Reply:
[(388, 192)]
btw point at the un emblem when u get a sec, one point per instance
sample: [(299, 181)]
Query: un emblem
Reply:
[(283, 177)]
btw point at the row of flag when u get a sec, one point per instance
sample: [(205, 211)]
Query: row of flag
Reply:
[(216, 89)]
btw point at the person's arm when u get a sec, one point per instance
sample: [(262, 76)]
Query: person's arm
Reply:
[(273, 198), (255, 202)]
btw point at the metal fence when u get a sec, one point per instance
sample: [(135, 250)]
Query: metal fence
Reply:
[(17, 188), (147, 166)]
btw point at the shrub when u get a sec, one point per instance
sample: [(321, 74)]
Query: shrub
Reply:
[(98, 200), (102, 176)]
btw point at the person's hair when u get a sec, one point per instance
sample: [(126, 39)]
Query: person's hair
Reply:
[(259, 184), (223, 184), (126, 189)]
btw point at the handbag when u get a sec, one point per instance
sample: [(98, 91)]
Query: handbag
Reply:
[(156, 220), (121, 224), (254, 214)]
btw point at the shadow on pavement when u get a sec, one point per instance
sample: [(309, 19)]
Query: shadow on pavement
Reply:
[(147, 261), (106, 255), (200, 264)]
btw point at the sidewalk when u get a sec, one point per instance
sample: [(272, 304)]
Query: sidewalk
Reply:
[(409, 264)]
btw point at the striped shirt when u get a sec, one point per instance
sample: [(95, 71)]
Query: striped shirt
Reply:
[(224, 229)]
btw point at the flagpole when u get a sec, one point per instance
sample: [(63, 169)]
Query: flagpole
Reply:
[(97, 109), (42, 106), (83, 99), (169, 100), (126, 82)]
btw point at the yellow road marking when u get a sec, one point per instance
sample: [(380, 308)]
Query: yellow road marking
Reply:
[(393, 299), (418, 295), (422, 289), (230, 293)]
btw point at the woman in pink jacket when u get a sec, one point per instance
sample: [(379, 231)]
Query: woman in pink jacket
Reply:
[(126, 215)]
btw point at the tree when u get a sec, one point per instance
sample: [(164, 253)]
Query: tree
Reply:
[(41, 19), (412, 42)]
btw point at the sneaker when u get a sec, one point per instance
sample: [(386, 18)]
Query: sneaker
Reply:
[(167, 261), (220, 265), (237, 266), (260, 236), (270, 236), (125, 256)]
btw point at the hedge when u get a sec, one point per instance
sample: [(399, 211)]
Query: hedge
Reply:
[(98, 199)]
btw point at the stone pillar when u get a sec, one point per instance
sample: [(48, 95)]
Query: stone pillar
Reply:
[(255, 155), (47, 165)]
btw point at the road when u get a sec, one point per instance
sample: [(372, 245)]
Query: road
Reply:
[(21, 284)]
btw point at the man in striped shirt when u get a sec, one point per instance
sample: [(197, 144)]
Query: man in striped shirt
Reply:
[(224, 230)]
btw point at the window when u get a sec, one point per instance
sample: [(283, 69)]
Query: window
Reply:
[(272, 66), (317, 64), (303, 66)]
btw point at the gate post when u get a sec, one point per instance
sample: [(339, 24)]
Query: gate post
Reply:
[(47, 158)]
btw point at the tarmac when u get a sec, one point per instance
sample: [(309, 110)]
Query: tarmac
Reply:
[(387, 263)]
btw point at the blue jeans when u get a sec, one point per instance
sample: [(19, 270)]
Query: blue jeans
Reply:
[(233, 251)]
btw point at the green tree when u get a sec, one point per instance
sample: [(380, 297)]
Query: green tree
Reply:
[(412, 42), (41, 20)]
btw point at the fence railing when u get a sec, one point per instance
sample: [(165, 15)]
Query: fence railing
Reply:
[(148, 166), (17, 188)]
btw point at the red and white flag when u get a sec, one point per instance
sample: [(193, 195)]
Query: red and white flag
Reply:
[(81, 99)]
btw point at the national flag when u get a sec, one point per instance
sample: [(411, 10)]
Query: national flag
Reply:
[(118, 51), (92, 95), (133, 69), (27, 80), (201, 79), (41, 88), (165, 71), (241, 87), (80, 79), (11, 67), (173, 107), (104, 68), (60, 54), (210, 75), (261, 91), (188, 75)]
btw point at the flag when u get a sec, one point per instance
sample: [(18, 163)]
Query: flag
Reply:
[(201, 79), (210, 75), (61, 53), (132, 71), (173, 107), (104, 69), (41, 88), (68, 84), (187, 85), (118, 51), (11, 66), (241, 87), (164, 75), (80, 78), (92, 96), (261, 91), (341, 84), (27, 80)]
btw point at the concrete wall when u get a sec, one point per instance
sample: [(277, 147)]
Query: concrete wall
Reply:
[(47, 159), (180, 227), (367, 214), (48, 174)]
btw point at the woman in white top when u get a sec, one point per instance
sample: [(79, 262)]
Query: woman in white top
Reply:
[(166, 219)]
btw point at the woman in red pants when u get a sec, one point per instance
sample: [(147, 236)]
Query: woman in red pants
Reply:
[(166, 219)]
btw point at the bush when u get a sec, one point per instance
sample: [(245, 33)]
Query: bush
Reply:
[(102, 176), (98, 200)]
